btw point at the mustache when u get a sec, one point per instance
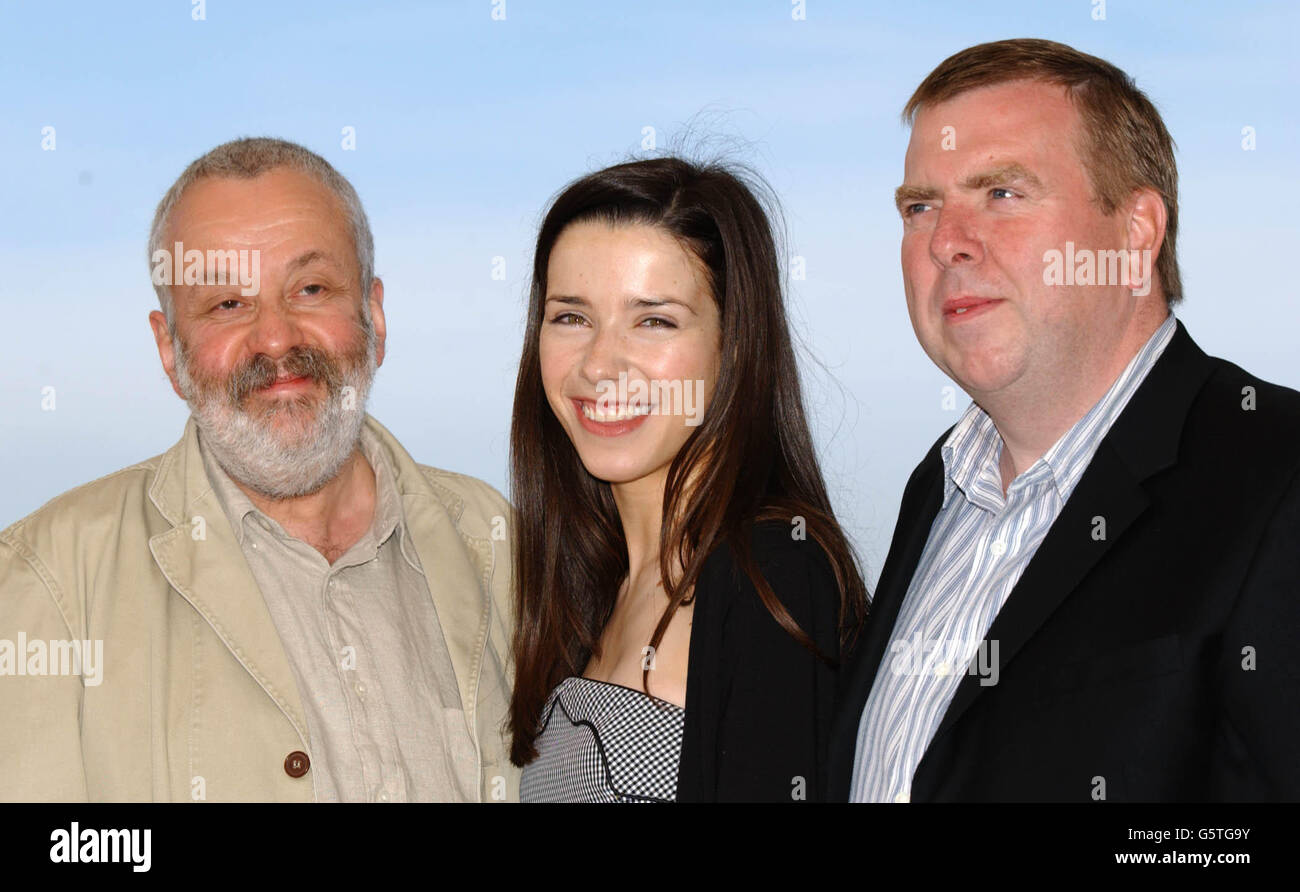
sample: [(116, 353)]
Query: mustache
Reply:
[(300, 362)]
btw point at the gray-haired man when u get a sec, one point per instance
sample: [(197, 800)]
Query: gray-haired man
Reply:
[(290, 607)]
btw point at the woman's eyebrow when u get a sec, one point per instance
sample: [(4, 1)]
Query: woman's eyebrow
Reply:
[(642, 301)]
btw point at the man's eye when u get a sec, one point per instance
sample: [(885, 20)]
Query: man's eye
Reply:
[(913, 209), (995, 190), (228, 304), (312, 290)]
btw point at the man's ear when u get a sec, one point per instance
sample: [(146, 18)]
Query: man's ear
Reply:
[(166, 348), (1147, 219), (377, 318)]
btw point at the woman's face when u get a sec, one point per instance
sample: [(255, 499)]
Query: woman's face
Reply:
[(630, 346)]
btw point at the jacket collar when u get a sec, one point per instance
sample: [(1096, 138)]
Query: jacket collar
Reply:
[(1143, 441), (972, 450), (201, 558), (181, 482)]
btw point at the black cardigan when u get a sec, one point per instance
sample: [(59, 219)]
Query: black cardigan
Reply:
[(759, 704)]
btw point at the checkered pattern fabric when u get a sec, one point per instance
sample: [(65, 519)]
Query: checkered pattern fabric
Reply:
[(603, 742)]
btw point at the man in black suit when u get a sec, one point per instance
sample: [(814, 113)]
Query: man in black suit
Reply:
[(1093, 589)]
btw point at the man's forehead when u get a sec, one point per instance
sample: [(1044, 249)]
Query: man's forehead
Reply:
[(246, 210), (1024, 97), (1005, 112), (271, 192), (1023, 123)]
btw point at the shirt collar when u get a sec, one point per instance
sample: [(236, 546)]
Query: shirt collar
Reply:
[(972, 452), (970, 456), (237, 506)]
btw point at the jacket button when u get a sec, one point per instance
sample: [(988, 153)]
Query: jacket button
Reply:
[(296, 764)]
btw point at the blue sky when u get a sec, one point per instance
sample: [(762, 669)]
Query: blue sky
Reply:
[(465, 126)]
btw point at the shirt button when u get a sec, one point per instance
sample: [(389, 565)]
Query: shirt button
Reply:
[(383, 796), (902, 797), (942, 669), (296, 764), (361, 689), (998, 548)]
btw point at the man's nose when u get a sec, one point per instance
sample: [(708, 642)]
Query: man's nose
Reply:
[(956, 239), (275, 331)]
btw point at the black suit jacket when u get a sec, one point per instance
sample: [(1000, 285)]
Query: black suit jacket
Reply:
[(1159, 663), (759, 705)]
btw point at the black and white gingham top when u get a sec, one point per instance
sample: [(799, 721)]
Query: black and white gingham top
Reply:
[(603, 742)]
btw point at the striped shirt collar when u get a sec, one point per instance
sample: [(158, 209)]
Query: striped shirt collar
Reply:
[(972, 452)]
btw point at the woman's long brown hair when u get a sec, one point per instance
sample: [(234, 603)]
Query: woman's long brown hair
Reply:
[(750, 459)]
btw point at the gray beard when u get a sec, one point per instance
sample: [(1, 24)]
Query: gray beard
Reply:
[(285, 465)]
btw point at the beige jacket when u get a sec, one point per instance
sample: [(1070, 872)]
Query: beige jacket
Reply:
[(195, 698)]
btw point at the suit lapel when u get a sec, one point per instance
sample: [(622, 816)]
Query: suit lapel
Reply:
[(920, 504), (900, 565), (203, 561), (458, 587), (1106, 493), (457, 566), (1143, 441), (207, 567)]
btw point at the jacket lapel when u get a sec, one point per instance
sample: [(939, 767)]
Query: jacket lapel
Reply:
[(1143, 441), (457, 566), (203, 561), (900, 565), (1108, 491), (920, 503)]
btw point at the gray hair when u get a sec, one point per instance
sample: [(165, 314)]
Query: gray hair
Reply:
[(248, 158)]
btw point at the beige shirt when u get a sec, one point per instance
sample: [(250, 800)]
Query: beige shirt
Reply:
[(366, 648)]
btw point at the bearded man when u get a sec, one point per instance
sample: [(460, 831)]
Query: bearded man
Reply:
[(285, 605)]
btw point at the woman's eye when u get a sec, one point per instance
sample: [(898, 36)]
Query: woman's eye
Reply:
[(566, 319), (659, 322)]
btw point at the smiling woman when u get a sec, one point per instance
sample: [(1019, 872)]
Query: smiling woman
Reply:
[(683, 587)]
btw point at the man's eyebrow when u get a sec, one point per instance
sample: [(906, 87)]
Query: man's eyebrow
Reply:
[(1004, 173), (905, 195), (310, 257)]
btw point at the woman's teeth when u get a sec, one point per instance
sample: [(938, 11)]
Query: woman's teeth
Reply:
[(623, 413)]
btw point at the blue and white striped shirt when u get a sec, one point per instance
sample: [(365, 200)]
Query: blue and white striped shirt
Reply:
[(979, 544)]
